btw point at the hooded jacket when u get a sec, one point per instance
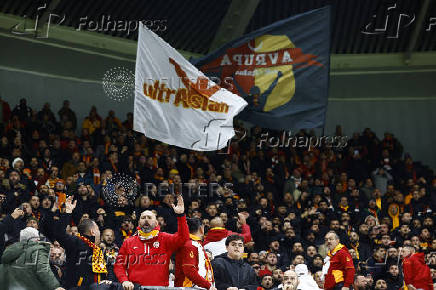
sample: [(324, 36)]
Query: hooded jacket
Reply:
[(233, 273), (416, 272), (306, 280), (25, 265), (216, 238)]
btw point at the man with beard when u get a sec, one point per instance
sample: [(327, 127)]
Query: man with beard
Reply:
[(277, 277), (339, 268), (297, 249), (270, 266), (290, 281), (403, 234), (35, 205), (362, 249), (317, 263), (364, 234), (86, 203), (110, 251), (392, 256), (253, 258), (336, 227), (144, 258), (16, 191)]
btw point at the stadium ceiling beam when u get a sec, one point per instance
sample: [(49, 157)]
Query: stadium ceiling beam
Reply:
[(63, 37), (235, 22), (69, 38), (416, 32)]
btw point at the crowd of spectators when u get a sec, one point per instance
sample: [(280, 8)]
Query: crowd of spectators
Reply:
[(370, 192)]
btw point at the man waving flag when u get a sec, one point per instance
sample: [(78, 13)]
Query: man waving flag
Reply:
[(175, 103)]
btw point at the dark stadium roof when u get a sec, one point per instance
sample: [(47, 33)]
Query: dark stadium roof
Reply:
[(192, 25)]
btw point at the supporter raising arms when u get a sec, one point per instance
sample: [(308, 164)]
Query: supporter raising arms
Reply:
[(85, 263), (145, 257)]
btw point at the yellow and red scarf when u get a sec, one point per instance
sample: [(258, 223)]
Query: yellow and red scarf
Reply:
[(98, 261), (356, 248), (208, 276), (143, 236), (337, 248)]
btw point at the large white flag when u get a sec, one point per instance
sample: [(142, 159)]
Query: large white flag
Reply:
[(175, 103)]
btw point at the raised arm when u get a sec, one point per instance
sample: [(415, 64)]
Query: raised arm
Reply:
[(245, 229), (7, 224), (178, 239), (56, 230)]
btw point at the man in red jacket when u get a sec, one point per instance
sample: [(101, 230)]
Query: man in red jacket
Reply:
[(217, 235), (338, 267), (193, 268), (144, 258), (417, 274)]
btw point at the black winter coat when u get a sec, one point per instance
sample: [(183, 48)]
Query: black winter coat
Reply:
[(233, 273), (78, 253)]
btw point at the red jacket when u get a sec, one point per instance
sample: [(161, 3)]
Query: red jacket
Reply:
[(146, 262), (217, 234), (341, 268), (416, 272), (193, 267), (215, 239)]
